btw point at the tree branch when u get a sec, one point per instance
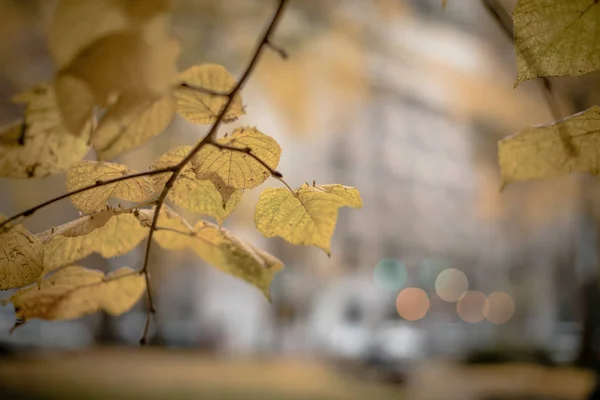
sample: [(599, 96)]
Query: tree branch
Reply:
[(209, 138), (98, 183), (203, 90)]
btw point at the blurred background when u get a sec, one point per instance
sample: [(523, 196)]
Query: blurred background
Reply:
[(405, 101)]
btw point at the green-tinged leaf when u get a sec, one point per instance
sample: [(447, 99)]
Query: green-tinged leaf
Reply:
[(195, 195), (130, 123), (219, 248), (40, 145), (88, 173), (307, 216), (236, 169), (201, 107), (109, 233), (21, 257), (538, 152), (556, 38), (74, 291)]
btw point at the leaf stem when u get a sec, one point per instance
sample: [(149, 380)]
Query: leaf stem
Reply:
[(209, 138), (286, 185)]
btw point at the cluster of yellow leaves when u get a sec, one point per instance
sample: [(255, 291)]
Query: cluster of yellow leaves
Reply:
[(71, 292), (109, 233), (554, 38), (218, 247), (199, 196), (40, 144), (75, 291), (122, 63), (123, 60)]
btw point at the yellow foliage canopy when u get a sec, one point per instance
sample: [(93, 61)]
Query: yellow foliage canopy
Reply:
[(306, 216), (87, 173), (203, 108), (236, 169), (74, 291), (21, 257), (199, 196), (123, 60), (539, 152), (556, 38)]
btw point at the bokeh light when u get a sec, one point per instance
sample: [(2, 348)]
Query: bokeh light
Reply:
[(499, 307), (429, 270), (470, 306), (451, 284), (412, 303), (390, 274)]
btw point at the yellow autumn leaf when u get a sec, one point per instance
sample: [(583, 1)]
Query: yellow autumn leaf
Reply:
[(203, 108), (130, 123), (234, 169), (219, 248), (21, 257), (109, 233), (556, 38), (72, 29), (74, 291), (87, 173), (40, 145), (307, 216), (75, 102), (444, 3), (192, 194), (134, 63), (171, 221), (539, 152)]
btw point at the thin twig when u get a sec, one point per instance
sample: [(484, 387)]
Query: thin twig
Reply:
[(496, 11), (203, 90), (209, 138), (280, 51), (247, 150), (149, 315), (97, 184), (167, 229)]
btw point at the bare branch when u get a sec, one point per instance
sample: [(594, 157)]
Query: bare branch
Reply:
[(204, 90), (209, 138), (98, 183), (280, 51)]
